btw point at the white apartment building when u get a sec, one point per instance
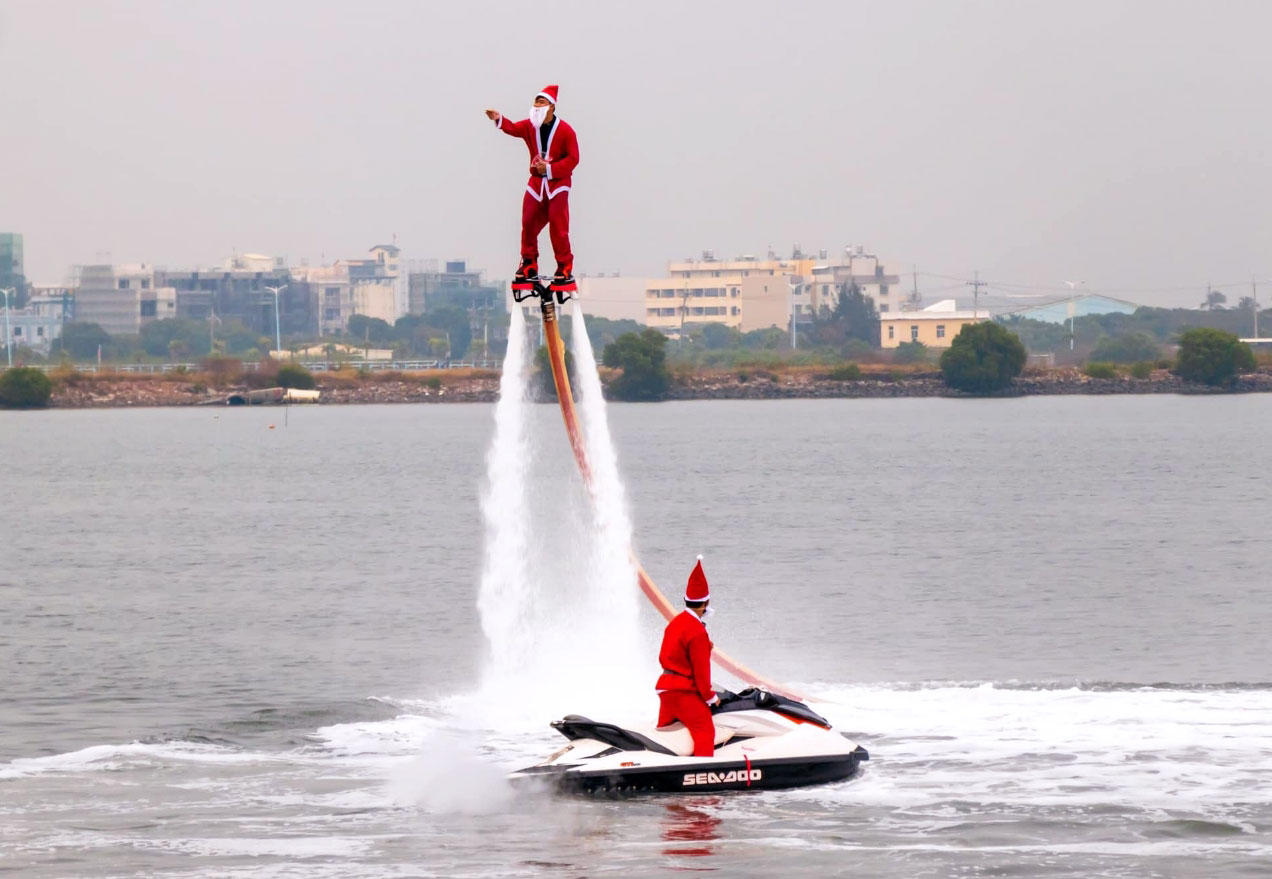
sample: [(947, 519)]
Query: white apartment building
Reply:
[(755, 294), (122, 299)]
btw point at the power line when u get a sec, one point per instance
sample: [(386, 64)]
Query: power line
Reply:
[(976, 285)]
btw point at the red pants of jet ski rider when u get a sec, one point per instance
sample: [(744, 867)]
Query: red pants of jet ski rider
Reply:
[(687, 707), (685, 684), (554, 213)]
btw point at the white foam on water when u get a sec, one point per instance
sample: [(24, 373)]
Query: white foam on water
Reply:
[(399, 737), (292, 848), (447, 776), (955, 768), (106, 758), (1199, 755)]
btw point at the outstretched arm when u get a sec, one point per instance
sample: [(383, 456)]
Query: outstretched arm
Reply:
[(515, 129)]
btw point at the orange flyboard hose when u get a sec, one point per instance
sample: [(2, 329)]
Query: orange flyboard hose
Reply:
[(561, 380)]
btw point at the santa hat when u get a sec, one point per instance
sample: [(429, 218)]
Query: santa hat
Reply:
[(549, 92), (696, 589)]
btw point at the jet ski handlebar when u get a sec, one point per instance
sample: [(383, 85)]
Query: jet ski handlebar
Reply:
[(758, 697)]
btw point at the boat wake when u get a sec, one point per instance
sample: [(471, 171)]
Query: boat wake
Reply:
[(1112, 779)]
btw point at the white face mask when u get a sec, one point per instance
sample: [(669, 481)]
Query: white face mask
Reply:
[(538, 114), (707, 614)]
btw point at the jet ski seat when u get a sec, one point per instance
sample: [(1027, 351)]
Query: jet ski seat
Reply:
[(675, 737)]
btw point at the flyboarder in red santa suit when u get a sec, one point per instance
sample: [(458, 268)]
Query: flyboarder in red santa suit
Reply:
[(554, 152), (684, 689)]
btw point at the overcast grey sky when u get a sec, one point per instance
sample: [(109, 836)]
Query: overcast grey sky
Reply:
[(1128, 144)]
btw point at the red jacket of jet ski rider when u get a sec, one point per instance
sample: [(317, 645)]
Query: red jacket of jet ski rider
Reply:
[(685, 656)]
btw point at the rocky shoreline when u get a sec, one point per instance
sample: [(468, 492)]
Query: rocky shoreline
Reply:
[(1055, 382), (135, 392)]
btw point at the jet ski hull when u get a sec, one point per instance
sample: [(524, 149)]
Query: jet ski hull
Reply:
[(699, 777), (763, 741)]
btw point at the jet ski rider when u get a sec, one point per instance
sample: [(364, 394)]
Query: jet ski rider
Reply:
[(684, 688)]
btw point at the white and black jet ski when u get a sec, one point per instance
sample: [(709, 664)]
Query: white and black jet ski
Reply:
[(763, 742)]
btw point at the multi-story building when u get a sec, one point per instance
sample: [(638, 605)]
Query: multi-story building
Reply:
[(330, 295), (335, 293), (709, 290), (52, 300), (240, 289), (122, 299), (755, 294), (12, 273), (370, 276), (426, 283), (934, 326), (862, 269)]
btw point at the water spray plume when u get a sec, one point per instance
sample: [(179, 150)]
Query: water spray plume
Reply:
[(556, 602), (555, 599), (580, 448), (506, 509)]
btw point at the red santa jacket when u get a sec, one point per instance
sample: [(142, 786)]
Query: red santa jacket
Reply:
[(686, 656), (561, 155)]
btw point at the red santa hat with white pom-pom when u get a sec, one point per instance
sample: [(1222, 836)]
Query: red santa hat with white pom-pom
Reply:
[(696, 589), (549, 92)]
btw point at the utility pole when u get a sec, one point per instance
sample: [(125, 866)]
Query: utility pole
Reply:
[(975, 285), (914, 292), (684, 308), (1254, 297)]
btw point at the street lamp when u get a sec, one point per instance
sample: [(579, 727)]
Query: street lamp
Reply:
[(278, 332), (8, 331), (1072, 285), (795, 286)]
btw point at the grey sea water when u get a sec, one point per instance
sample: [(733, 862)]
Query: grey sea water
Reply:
[(237, 645)]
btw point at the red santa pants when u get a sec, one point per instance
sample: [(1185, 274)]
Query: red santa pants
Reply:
[(555, 214), (687, 707)]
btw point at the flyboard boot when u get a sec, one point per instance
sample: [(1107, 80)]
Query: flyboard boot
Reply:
[(563, 284), (527, 274)]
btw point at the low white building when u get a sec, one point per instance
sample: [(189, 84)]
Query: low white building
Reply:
[(934, 326), (613, 298), (27, 328)]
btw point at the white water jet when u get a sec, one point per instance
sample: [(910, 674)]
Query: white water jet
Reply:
[(558, 598), (505, 585), (612, 569)]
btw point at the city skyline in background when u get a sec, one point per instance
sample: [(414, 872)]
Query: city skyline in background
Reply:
[(1113, 144)]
